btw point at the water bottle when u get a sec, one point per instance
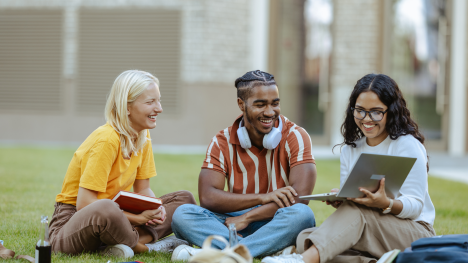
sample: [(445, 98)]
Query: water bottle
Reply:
[(232, 235), (43, 248)]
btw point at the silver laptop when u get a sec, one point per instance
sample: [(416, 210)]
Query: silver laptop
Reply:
[(367, 173)]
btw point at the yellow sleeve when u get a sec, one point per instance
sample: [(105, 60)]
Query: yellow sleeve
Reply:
[(96, 166), (147, 168)]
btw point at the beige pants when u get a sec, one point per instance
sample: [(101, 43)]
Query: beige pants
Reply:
[(103, 223), (357, 233)]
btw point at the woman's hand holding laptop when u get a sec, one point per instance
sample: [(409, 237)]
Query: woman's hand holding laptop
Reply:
[(378, 199)]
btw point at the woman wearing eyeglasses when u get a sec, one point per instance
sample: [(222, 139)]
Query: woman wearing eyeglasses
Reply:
[(363, 229)]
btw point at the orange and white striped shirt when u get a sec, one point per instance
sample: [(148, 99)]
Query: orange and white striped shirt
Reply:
[(251, 171)]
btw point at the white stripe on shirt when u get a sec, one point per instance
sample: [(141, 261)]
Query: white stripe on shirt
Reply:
[(231, 172), (300, 153), (244, 174), (255, 160), (208, 154), (286, 146), (273, 175), (221, 160), (221, 156), (267, 158), (283, 175)]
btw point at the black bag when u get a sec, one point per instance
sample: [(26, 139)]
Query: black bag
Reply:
[(447, 249)]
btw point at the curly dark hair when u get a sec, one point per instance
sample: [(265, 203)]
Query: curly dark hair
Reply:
[(399, 120)]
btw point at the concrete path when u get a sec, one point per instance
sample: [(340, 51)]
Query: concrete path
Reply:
[(448, 167), (440, 164)]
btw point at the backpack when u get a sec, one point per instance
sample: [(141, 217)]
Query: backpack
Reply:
[(448, 249)]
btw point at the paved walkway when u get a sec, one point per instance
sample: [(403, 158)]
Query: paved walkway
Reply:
[(448, 167), (440, 164)]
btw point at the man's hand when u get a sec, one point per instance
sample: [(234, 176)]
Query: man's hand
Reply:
[(213, 197), (335, 204), (378, 199), (240, 221), (282, 197)]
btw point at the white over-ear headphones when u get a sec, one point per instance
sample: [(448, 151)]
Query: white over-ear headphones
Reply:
[(270, 140)]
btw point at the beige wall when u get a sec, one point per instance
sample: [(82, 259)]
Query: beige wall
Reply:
[(197, 57), (356, 52), (286, 53), (356, 42), (206, 109)]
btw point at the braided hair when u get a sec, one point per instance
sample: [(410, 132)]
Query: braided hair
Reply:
[(251, 80)]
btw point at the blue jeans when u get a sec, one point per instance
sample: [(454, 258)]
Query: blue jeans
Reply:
[(194, 224)]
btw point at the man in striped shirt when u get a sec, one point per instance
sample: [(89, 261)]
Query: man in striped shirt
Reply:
[(267, 163)]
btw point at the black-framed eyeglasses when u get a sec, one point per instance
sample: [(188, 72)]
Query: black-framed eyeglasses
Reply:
[(375, 115)]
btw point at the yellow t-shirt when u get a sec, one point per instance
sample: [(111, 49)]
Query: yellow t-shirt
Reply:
[(98, 165)]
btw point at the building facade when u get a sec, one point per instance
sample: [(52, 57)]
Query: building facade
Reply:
[(58, 60), (420, 43)]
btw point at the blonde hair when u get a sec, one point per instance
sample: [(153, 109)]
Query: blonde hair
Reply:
[(126, 88)]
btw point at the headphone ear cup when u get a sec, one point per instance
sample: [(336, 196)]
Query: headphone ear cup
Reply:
[(272, 139), (244, 139), (266, 139)]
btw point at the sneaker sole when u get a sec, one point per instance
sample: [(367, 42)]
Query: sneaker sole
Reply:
[(176, 253), (176, 241), (119, 251)]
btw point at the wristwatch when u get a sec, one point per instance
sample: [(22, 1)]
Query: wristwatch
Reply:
[(389, 208)]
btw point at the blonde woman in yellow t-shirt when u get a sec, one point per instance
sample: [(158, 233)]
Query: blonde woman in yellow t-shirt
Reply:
[(116, 156)]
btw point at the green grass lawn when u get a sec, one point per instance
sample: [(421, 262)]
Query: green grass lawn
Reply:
[(30, 179)]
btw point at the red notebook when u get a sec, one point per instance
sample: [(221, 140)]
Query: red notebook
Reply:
[(136, 203)]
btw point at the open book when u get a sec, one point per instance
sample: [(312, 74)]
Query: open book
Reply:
[(136, 203)]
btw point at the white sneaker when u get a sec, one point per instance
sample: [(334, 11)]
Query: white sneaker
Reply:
[(286, 251), (119, 250), (293, 258), (184, 252), (167, 244)]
